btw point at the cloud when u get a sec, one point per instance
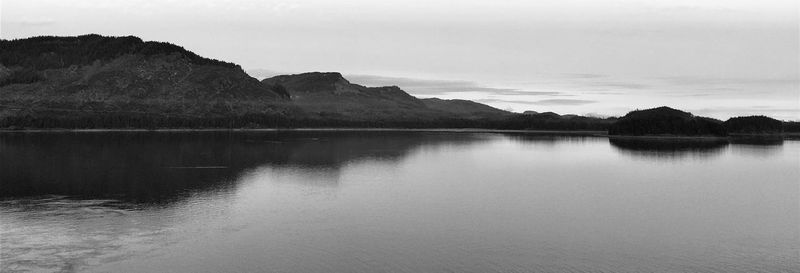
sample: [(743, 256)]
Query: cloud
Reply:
[(716, 82), (429, 87), (284, 7), (34, 22), (540, 102), (423, 87), (588, 82), (583, 75), (261, 74), (563, 102), (470, 90), (781, 113), (597, 115), (619, 85)]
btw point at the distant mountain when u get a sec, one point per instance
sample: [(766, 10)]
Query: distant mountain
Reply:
[(94, 81), (547, 115), (665, 121), (464, 108), (310, 87), (551, 121), (91, 74), (330, 95)]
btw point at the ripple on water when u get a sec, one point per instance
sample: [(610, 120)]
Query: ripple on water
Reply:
[(57, 233)]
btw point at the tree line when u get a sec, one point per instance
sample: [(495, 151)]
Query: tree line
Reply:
[(90, 120)]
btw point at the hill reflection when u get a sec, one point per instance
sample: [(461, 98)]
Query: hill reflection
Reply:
[(669, 148), (161, 166), (703, 148)]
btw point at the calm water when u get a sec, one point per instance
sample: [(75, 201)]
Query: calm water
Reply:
[(394, 202)]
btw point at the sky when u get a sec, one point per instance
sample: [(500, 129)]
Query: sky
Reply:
[(587, 57)]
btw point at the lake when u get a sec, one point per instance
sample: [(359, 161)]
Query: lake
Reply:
[(350, 201)]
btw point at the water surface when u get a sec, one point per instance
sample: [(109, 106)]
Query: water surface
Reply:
[(394, 202)]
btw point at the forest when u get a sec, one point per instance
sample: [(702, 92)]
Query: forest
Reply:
[(666, 121), (43, 120), (658, 121), (754, 125), (46, 52)]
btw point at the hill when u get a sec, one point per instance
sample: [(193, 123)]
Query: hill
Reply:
[(329, 96), (464, 108), (530, 120), (94, 81), (753, 125), (665, 121), (791, 126)]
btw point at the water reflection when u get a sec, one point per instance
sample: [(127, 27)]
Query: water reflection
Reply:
[(547, 139), (158, 167), (758, 140), (393, 202), (69, 201), (669, 149), (760, 146)]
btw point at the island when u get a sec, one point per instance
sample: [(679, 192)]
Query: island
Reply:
[(665, 121), (754, 125)]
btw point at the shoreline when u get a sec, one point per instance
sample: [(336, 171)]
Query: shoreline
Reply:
[(671, 137), (787, 136), (442, 130)]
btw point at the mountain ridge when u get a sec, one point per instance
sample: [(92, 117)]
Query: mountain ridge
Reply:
[(94, 81), (326, 93), (47, 76)]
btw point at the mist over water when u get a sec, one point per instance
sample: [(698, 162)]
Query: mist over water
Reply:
[(394, 202)]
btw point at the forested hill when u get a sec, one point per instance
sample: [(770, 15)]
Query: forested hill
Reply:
[(465, 108), (666, 121), (48, 52), (754, 125), (93, 81), (330, 95)]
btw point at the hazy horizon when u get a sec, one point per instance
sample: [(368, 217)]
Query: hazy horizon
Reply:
[(712, 58)]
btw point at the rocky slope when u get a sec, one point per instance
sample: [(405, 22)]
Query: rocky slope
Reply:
[(464, 108), (93, 81), (329, 94), (92, 74)]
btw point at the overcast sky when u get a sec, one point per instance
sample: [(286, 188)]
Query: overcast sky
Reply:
[(714, 58)]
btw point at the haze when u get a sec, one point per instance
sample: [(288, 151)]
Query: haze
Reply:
[(713, 58)]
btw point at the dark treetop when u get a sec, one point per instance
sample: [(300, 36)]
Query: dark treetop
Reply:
[(754, 125), (666, 121)]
